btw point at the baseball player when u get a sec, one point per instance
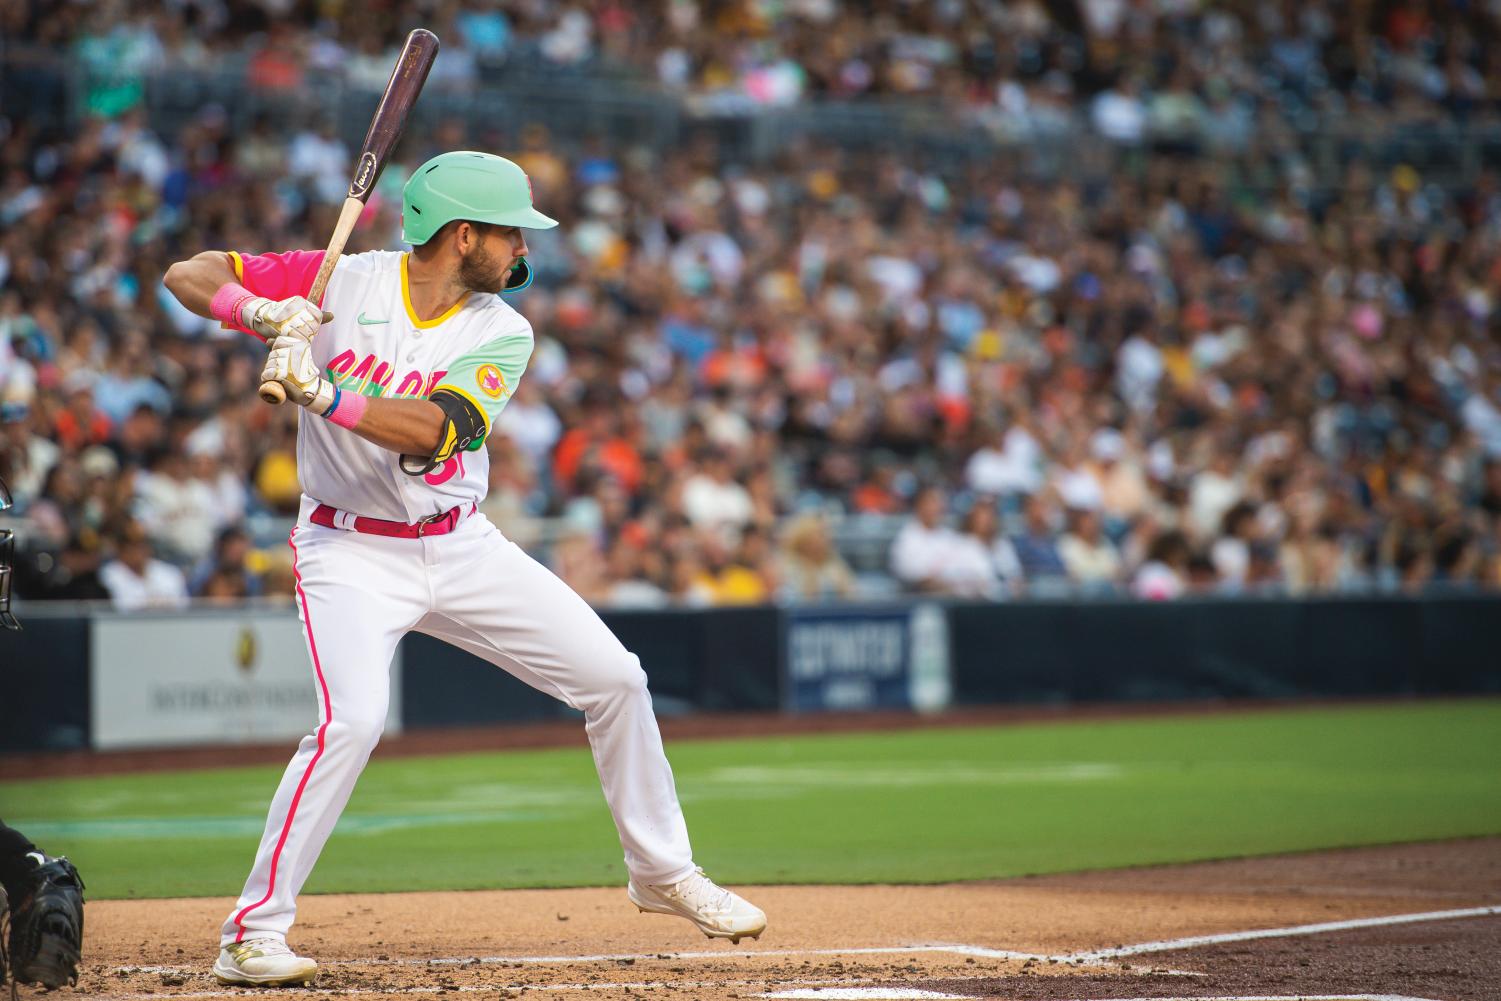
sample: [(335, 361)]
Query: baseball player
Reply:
[(44, 898), (414, 358), (41, 896)]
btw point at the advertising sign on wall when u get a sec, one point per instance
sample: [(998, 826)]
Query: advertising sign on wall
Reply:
[(867, 658), (236, 677)]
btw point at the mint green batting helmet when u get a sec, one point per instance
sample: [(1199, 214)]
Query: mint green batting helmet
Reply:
[(479, 187)]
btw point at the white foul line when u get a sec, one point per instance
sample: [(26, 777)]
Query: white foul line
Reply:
[(1090, 957), (868, 994), (847, 993), (963, 950), (1093, 957), (850, 993), (1284, 997), (496, 989), (1096, 955), (877, 993), (631, 957)]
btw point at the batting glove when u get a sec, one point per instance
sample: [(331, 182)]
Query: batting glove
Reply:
[(292, 317), (291, 364)]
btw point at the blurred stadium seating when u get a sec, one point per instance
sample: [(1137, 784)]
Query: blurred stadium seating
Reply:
[(1190, 298)]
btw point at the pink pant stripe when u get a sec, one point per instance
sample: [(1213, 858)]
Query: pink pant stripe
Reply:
[(328, 716)]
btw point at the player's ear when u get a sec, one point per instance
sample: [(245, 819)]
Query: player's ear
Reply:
[(460, 235), (473, 233)]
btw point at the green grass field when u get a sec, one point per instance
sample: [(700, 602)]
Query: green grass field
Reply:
[(913, 806)]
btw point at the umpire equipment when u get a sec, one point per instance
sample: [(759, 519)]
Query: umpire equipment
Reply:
[(46, 924), (7, 558)]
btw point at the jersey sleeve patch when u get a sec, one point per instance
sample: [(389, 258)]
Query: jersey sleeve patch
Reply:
[(491, 381), (487, 376)]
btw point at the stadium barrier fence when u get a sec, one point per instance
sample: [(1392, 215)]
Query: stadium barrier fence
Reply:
[(93, 678)]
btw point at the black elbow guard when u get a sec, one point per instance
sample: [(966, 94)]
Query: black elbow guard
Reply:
[(463, 429)]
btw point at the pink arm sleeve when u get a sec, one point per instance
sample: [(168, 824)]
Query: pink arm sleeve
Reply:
[(277, 276)]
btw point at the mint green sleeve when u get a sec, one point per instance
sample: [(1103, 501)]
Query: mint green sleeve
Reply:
[(488, 375)]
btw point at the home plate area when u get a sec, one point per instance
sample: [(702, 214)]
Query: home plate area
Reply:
[(1415, 922)]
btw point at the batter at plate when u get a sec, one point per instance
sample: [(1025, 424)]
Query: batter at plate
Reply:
[(415, 355)]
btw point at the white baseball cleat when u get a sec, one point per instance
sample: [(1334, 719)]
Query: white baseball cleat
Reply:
[(263, 962), (717, 912)]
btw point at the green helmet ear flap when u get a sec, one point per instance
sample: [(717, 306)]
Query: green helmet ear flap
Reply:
[(521, 276)]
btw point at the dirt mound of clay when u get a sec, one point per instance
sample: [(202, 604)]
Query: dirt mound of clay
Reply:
[(1047, 937)]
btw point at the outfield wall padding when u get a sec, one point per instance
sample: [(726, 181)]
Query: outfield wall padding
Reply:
[(719, 660), (44, 686), (1060, 652), (724, 660)]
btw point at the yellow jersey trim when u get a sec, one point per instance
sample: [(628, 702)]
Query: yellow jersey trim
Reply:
[(406, 300), (238, 263)]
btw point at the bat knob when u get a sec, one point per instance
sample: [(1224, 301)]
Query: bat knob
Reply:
[(273, 393)]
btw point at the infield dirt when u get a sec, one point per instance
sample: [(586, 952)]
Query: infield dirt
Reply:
[(546, 943)]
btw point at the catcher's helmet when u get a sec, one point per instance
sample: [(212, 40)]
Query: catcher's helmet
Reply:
[(479, 187)]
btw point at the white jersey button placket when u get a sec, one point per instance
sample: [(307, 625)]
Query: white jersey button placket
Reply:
[(412, 488)]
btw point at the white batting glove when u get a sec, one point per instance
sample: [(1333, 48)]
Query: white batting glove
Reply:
[(291, 364), (291, 317)]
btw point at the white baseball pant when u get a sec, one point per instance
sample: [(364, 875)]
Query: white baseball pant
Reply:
[(357, 595)]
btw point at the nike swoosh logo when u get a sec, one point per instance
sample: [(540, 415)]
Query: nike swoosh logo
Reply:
[(366, 321)]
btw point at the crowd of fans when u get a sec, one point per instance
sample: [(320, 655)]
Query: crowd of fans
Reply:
[(1174, 69), (1198, 375)]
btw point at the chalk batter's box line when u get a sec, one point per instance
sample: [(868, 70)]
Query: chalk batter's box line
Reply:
[(1323, 928), (965, 950), (895, 993), (895, 950), (1088, 958), (1281, 997), (825, 987), (820, 994), (892, 994)]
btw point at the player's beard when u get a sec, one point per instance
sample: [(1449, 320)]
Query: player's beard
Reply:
[(478, 272)]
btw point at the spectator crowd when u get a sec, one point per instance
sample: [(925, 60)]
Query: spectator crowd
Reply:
[(1134, 68), (1189, 372)]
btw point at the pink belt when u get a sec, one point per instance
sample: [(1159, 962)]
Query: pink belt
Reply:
[(438, 524)]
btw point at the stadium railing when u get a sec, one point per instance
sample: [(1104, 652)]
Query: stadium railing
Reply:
[(595, 102)]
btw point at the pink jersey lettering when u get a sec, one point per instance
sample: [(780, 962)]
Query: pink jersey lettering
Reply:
[(342, 363), (381, 378), (411, 384), (453, 464), (373, 376), (357, 379)]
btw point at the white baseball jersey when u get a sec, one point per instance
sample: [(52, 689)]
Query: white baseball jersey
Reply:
[(358, 593), (376, 346)]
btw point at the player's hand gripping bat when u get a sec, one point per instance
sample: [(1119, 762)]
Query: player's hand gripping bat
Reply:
[(385, 129)]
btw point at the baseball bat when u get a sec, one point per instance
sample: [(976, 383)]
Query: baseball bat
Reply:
[(407, 78)]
